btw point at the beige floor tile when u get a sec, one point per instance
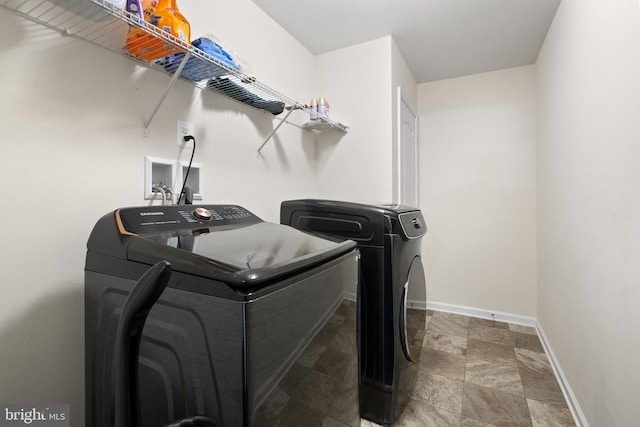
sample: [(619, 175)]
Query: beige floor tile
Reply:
[(439, 362), (488, 323), (527, 341), (494, 375), (439, 391), (548, 415), (419, 414), (538, 379), (448, 324), (448, 343), (494, 335), (332, 422), (533, 360), (484, 350), (470, 422), (521, 328), (495, 407)]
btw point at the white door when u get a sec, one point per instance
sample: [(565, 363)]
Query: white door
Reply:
[(407, 154)]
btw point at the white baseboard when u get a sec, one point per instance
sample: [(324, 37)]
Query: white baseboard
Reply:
[(576, 411), (349, 296), (483, 314), (420, 305), (572, 402)]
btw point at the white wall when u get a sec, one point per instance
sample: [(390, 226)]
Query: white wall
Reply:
[(357, 165), (478, 190), (588, 75), (72, 150)]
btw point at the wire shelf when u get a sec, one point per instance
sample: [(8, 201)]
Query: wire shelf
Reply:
[(104, 24)]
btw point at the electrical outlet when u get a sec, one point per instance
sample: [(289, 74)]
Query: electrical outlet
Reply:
[(183, 129)]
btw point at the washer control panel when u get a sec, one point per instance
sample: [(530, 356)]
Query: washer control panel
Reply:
[(158, 219)]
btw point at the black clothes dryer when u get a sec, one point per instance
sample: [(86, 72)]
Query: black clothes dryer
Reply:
[(390, 339), (252, 329)]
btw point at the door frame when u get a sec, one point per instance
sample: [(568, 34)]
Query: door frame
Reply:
[(401, 100)]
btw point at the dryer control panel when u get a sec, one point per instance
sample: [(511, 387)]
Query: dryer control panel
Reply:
[(159, 219), (412, 224)]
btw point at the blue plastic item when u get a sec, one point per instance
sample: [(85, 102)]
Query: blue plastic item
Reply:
[(197, 69)]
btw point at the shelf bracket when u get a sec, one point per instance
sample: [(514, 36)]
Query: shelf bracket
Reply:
[(145, 131), (276, 129)]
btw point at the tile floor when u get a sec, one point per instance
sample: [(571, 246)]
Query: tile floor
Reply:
[(481, 373)]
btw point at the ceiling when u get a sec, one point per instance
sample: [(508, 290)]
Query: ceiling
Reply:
[(438, 39)]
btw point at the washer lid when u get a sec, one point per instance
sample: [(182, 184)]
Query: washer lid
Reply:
[(245, 256)]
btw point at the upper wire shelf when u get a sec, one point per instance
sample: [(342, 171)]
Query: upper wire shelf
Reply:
[(102, 23)]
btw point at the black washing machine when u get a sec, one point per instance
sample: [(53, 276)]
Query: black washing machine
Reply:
[(252, 329), (391, 333)]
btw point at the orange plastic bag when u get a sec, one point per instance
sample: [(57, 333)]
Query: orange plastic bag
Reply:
[(165, 15)]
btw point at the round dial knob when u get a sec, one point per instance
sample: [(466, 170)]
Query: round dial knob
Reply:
[(202, 213)]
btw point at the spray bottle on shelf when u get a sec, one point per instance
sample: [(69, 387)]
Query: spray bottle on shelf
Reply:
[(323, 108), (313, 115), (134, 7)]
